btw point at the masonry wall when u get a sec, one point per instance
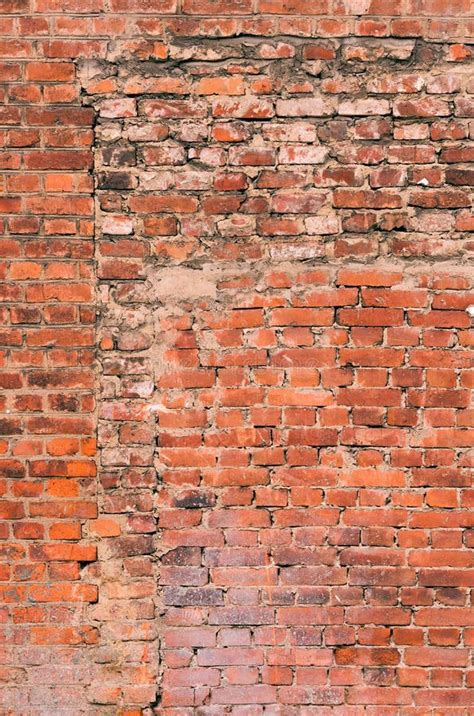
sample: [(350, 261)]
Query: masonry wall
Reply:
[(236, 250)]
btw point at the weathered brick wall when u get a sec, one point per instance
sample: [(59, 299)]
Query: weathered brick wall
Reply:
[(278, 197)]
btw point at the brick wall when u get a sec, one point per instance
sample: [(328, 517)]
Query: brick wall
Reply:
[(236, 250), (47, 445)]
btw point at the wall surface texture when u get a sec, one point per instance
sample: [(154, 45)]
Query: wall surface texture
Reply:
[(236, 360)]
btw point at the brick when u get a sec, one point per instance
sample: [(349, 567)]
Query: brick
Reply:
[(364, 107), (251, 108), (243, 267), (258, 694), (346, 198), (303, 108), (220, 85), (302, 154)]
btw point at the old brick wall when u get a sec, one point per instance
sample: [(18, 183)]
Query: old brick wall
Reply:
[(236, 249)]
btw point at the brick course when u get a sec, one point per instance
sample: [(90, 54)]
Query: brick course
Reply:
[(236, 251)]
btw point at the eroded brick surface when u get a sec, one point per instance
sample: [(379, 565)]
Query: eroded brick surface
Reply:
[(281, 521)]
